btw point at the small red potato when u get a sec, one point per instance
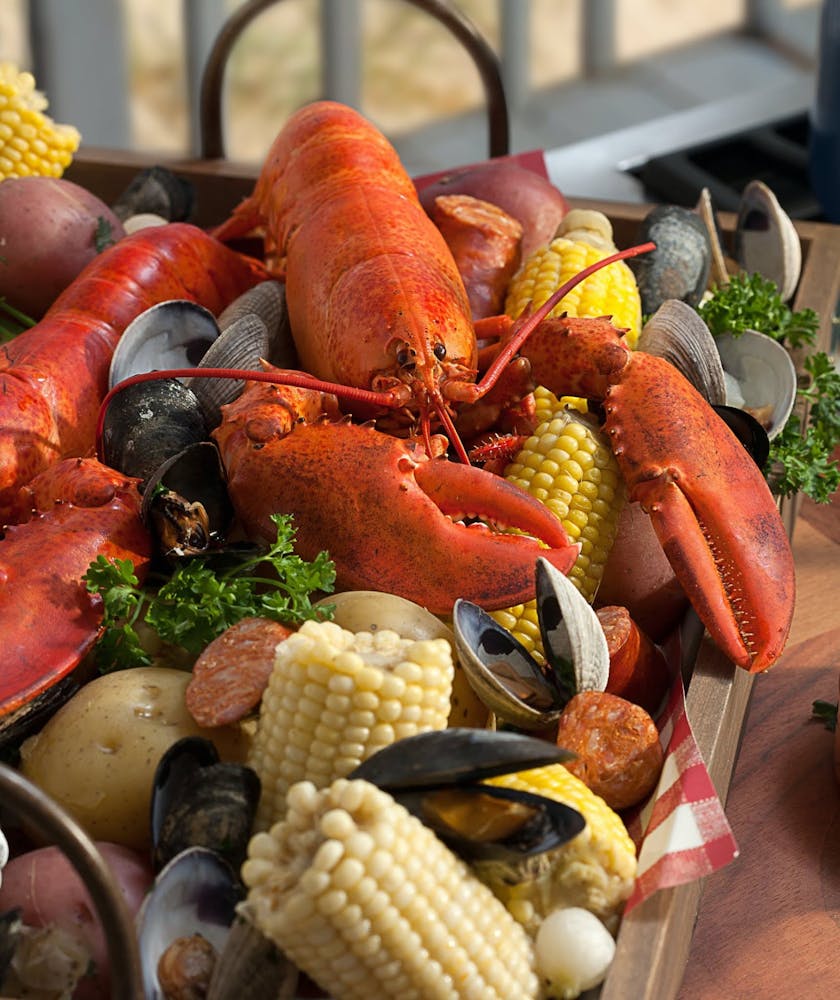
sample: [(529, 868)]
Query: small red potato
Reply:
[(50, 228), (49, 892)]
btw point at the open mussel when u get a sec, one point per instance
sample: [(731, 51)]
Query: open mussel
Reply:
[(437, 776), (508, 679), (200, 801)]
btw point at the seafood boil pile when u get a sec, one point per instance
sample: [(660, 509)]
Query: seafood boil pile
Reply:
[(461, 432)]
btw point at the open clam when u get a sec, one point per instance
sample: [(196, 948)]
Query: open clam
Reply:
[(508, 679), (192, 900), (766, 241), (760, 377)]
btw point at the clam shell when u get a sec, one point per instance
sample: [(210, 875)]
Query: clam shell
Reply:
[(677, 333), (719, 271), (503, 674), (171, 334), (244, 344), (765, 377), (679, 266), (766, 241), (570, 629), (250, 966), (196, 893)]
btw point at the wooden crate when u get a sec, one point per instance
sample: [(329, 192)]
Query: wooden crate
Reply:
[(655, 938)]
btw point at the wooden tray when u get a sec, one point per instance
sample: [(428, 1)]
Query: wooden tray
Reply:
[(655, 938)]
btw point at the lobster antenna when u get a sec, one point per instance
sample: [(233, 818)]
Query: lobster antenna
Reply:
[(534, 320)]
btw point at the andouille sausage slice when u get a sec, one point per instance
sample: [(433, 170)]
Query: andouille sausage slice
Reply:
[(229, 677), (638, 669), (486, 244), (617, 746)]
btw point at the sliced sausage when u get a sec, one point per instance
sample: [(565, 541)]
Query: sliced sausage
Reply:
[(229, 677), (617, 745), (486, 244), (638, 669)]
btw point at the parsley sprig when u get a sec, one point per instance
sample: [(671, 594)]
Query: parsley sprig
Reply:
[(800, 457), (12, 321), (197, 603)]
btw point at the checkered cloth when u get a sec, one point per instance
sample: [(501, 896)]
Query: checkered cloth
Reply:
[(682, 832)]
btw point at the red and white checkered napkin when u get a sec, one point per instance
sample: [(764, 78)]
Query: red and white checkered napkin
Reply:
[(682, 832)]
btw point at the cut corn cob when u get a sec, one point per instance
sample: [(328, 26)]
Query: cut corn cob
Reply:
[(336, 697), (594, 870), (583, 238), (30, 141), (370, 904), (568, 465)]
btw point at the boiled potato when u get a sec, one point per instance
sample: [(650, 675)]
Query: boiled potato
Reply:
[(49, 231), (97, 755)]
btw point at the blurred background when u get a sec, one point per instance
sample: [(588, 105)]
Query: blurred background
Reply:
[(127, 72)]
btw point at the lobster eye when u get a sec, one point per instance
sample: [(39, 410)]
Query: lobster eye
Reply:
[(440, 351), (403, 356)]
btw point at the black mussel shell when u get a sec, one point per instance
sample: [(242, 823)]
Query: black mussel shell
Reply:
[(749, 432), (11, 927), (158, 191), (200, 801), (457, 755), (679, 266), (186, 501), (148, 423), (554, 634), (490, 823)]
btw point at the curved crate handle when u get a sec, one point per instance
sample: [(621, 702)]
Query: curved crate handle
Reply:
[(36, 809), (485, 59)]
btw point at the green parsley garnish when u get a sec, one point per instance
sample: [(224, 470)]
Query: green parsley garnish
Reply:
[(751, 302), (198, 603), (800, 456), (12, 321), (825, 712), (104, 235)]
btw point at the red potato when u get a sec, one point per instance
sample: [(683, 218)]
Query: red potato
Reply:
[(49, 891), (48, 232), (638, 577), (526, 195)]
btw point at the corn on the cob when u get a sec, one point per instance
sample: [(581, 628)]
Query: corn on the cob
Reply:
[(583, 238), (594, 870), (369, 903), (568, 465), (30, 141), (335, 697)]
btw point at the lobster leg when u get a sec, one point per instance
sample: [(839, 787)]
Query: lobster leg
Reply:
[(710, 505), (74, 511), (384, 509)]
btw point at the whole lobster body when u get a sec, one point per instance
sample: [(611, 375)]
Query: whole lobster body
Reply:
[(54, 376), (343, 223)]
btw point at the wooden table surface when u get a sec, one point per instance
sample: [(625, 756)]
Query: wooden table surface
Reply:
[(769, 923)]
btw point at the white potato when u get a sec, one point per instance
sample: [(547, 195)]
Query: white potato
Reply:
[(97, 755)]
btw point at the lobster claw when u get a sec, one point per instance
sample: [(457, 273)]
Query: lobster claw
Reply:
[(74, 511), (710, 506), (385, 511)]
